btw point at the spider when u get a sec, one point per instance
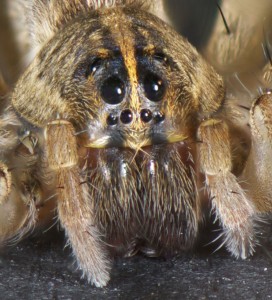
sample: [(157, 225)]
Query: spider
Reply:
[(122, 126)]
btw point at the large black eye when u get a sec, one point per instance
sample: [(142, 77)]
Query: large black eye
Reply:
[(154, 87), (113, 90)]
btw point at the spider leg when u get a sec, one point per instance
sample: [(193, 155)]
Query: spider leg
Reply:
[(258, 170), (229, 201), (18, 192), (22, 205), (74, 206), (13, 211)]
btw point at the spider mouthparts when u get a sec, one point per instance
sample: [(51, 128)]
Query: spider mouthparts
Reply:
[(99, 143), (174, 137), (135, 141)]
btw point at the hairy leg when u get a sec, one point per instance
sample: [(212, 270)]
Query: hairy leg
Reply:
[(258, 170), (74, 206), (232, 207)]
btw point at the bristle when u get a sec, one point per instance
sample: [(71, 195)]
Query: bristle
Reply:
[(223, 17)]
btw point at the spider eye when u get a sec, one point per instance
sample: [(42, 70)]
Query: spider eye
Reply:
[(113, 90), (93, 67), (160, 57), (112, 120), (154, 87)]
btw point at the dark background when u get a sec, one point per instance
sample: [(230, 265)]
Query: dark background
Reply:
[(39, 268)]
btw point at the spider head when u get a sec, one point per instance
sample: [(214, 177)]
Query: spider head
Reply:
[(123, 78)]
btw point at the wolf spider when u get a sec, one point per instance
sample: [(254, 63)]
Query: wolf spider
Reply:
[(122, 126)]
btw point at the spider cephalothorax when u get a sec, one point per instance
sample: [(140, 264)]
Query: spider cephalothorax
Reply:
[(121, 124)]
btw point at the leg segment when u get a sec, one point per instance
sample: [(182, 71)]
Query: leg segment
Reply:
[(19, 194), (233, 209), (258, 171), (18, 213), (74, 208)]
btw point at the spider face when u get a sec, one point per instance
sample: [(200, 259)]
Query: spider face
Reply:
[(122, 126), (126, 86)]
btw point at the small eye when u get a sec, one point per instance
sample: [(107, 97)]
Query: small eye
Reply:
[(93, 67), (159, 117), (160, 57), (126, 116), (146, 115), (154, 87), (112, 120), (113, 90)]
